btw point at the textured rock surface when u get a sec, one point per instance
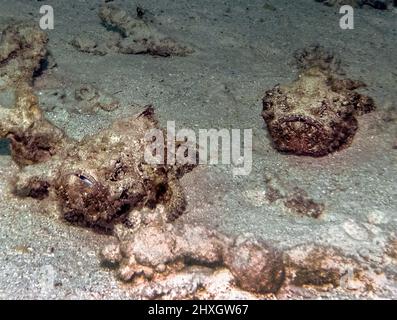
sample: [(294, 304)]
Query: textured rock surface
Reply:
[(33, 139), (138, 36), (133, 35), (165, 249), (22, 50), (166, 257)]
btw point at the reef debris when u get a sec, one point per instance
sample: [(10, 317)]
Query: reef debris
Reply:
[(301, 204), (154, 255), (129, 35), (316, 114), (23, 51), (160, 250), (326, 268), (32, 138)]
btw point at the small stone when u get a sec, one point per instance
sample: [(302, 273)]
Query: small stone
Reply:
[(257, 268), (111, 254), (355, 231)]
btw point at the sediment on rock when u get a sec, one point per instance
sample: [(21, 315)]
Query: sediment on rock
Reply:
[(32, 138), (327, 268)]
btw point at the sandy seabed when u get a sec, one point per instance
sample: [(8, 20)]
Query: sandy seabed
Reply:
[(240, 51)]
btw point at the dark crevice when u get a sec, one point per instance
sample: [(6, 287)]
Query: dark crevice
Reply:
[(5, 147), (43, 66)]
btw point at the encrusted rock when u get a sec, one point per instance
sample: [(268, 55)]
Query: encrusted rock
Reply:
[(256, 267), (323, 267), (139, 37), (91, 99), (159, 249), (33, 139)]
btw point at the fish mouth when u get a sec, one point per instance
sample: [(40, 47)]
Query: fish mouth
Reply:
[(300, 135)]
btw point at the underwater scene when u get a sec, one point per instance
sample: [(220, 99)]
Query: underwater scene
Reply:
[(198, 150)]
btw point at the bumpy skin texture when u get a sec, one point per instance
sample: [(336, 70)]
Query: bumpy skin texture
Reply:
[(99, 180), (96, 181), (155, 251), (315, 115)]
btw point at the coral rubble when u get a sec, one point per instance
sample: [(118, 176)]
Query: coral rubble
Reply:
[(316, 114), (325, 267), (22, 53), (133, 35), (22, 50), (138, 35), (159, 253), (256, 267)]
